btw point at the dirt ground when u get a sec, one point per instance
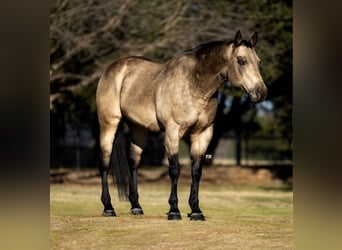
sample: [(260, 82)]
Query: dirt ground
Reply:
[(245, 208), (235, 175)]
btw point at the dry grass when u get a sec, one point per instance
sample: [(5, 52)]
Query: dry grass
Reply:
[(237, 218)]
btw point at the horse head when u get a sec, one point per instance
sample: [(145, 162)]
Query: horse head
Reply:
[(243, 70)]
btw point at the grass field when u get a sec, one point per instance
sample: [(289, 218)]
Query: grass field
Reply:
[(237, 217)]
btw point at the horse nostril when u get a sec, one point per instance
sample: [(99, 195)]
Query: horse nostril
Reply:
[(259, 93), (265, 92), (262, 91)]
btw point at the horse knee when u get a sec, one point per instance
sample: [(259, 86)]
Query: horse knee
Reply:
[(174, 167), (197, 172), (196, 168), (174, 172)]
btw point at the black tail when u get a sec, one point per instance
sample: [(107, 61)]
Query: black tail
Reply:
[(119, 163)]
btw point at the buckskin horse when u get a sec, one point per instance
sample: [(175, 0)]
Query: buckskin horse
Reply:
[(178, 97)]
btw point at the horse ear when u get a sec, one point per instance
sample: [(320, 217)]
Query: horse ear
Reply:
[(254, 38), (238, 38)]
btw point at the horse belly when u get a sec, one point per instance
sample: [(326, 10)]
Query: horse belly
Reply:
[(142, 115), (138, 106)]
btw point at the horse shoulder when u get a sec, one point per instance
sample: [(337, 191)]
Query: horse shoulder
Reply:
[(206, 116)]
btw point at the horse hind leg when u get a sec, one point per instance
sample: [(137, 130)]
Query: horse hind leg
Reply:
[(107, 134), (139, 138), (109, 116)]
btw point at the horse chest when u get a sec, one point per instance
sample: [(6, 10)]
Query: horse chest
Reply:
[(195, 116)]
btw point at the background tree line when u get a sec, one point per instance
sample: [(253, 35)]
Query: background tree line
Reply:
[(86, 35)]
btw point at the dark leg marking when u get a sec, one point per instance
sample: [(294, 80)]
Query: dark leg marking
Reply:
[(196, 173), (174, 172), (133, 191), (105, 196)]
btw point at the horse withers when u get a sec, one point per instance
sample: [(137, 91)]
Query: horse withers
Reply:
[(178, 97)]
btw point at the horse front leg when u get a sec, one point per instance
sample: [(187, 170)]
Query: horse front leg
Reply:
[(196, 173), (172, 145), (199, 144), (174, 172)]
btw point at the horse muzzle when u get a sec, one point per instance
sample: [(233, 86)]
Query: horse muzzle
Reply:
[(259, 93)]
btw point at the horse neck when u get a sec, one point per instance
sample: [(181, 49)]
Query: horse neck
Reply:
[(209, 73)]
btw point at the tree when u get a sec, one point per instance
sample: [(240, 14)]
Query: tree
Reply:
[(85, 36)]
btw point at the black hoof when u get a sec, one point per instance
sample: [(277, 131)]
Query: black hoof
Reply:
[(137, 211), (174, 216), (109, 213), (196, 216)]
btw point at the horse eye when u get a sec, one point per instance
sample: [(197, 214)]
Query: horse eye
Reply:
[(241, 60)]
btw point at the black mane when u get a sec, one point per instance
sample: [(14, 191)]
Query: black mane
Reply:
[(246, 43), (208, 46), (202, 48)]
